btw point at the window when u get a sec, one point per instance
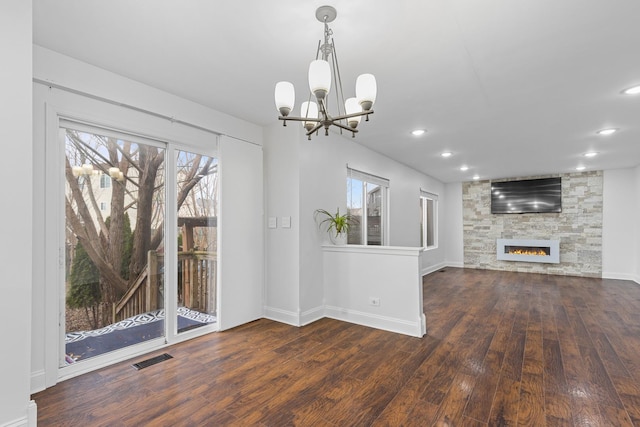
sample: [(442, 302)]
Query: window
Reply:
[(428, 220), (105, 181), (367, 205), (103, 206)]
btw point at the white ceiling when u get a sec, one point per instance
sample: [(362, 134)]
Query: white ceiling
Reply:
[(511, 88)]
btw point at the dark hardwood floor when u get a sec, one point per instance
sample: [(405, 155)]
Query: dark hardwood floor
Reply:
[(502, 349)]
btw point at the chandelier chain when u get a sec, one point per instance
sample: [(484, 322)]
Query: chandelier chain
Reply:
[(327, 48)]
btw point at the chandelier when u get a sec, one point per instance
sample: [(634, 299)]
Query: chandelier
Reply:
[(314, 115)]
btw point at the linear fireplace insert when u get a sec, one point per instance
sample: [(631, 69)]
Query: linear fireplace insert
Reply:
[(525, 250)]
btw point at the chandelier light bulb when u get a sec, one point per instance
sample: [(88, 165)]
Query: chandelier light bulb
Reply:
[(319, 78), (87, 169), (366, 90), (77, 171), (285, 96), (309, 110), (352, 106)]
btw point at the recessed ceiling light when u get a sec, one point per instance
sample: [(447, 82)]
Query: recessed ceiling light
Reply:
[(464, 168), (580, 168), (607, 131), (590, 154), (446, 154), (418, 132), (632, 90), (476, 177)]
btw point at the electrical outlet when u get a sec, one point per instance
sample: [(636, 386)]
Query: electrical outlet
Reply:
[(374, 301)]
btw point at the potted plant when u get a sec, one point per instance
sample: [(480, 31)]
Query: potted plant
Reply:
[(338, 225)]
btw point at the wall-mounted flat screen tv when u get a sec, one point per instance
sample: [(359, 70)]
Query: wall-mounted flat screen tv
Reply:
[(527, 196)]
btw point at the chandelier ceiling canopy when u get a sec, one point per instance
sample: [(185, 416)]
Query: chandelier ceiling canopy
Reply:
[(314, 113)]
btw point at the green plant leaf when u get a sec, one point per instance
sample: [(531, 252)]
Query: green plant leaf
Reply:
[(336, 222)]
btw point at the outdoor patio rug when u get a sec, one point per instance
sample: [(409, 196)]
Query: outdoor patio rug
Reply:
[(134, 330)]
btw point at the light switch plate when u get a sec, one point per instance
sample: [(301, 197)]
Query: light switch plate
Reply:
[(272, 222), (286, 222)]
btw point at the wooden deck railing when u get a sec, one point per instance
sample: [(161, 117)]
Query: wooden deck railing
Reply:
[(197, 272)]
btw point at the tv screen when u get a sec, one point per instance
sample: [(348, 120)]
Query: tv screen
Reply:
[(527, 196)]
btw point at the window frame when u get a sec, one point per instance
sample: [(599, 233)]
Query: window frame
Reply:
[(384, 185), (425, 198)]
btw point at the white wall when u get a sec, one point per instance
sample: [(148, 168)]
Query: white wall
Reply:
[(323, 172), (354, 275), (302, 176), (453, 234), (15, 132), (56, 69), (620, 230), (282, 247)]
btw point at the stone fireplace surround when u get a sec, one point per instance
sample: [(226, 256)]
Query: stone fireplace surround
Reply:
[(578, 228)]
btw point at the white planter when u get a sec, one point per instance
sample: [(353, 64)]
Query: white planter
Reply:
[(339, 240)]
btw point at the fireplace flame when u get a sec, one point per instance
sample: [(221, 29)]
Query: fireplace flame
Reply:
[(532, 251)]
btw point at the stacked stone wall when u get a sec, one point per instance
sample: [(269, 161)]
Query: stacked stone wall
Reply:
[(578, 227)]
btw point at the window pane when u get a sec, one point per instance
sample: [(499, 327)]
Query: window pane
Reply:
[(374, 214), (430, 223), (197, 193), (354, 208), (114, 212), (423, 239), (105, 181)]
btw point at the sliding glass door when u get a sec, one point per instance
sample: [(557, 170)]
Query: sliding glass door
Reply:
[(123, 284), (114, 204)]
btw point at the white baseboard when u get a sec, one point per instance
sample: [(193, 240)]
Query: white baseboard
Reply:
[(441, 265), (282, 316), (310, 316), (29, 420), (293, 318), (38, 381), (621, 276), (20, 422), (390, 324), (430, 269), (455, 264)]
